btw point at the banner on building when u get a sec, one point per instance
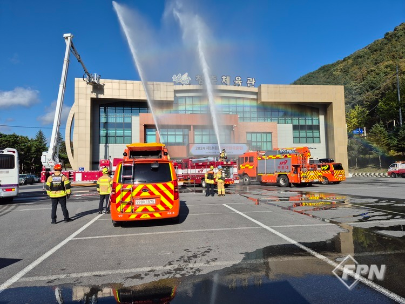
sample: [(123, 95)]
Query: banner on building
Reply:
[(213, 149)]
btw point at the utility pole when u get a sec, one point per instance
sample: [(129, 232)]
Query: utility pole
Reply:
[(399, 100)]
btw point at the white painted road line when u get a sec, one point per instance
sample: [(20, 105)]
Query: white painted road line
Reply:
[(310, 225), (163, 232), (34, 209), (43, 257), (365, 281)]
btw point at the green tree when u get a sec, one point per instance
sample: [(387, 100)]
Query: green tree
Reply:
[(379, 136), (39, 145), (356, 118), (63, 157), (23, 146)]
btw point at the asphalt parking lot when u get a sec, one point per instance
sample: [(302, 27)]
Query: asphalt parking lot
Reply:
[(258, 242)]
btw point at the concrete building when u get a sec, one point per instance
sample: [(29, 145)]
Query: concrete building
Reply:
[(103, 120)]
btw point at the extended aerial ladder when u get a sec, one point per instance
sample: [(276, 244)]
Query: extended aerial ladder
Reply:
[(51, 157)]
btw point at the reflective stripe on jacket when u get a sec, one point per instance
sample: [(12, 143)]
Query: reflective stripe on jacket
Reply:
[(57, 185), (207, 180), (104, 184), (219, 177)]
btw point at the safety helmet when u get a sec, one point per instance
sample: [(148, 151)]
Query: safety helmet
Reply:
[(57, 167), (220, 167), (212, 167), (105, 170), (223, 149)]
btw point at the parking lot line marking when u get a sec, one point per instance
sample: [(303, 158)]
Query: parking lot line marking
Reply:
[(365, 281), (162, 232), (43, 257), (137, 270), (308, 225), (33, 209)]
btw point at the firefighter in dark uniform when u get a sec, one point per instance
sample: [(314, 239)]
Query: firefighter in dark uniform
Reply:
[(209, 181), (104, 184), (58, 189)]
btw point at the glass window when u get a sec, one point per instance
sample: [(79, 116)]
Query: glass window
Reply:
[(251, 159), (260, 141), (144, 173), (150, 135), (7, 161)]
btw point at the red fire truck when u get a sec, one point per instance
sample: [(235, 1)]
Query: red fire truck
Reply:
[(280, 166), (192, 171)]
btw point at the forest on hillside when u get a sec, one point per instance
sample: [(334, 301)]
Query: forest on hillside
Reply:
[(371, 86)]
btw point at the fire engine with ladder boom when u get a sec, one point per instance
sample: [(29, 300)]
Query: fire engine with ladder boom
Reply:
[(51, 157), (191, 171), (283, 166)]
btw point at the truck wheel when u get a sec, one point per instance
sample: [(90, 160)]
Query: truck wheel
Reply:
[(203, 184), (403, 175), (325, 180), (116, 224), (246, 179), (282, 181), (393, 175)]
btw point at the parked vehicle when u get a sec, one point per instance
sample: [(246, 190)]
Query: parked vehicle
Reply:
[(281, 166), (192, 171), (9, 174), (36, 178), (145, 185), (397, 169), (25, 179)]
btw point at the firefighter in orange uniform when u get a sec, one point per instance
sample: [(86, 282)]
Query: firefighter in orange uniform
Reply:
[(219, 177), (58, 189), (104, 184), (209, 181)]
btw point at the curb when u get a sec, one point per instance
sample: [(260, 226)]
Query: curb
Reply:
[(369, 174)]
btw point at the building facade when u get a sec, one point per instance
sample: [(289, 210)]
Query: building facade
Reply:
[(103, 120)]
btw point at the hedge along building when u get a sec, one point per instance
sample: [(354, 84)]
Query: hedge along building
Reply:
[(102, 121)]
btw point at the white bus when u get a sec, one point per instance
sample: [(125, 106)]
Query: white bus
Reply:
[(9, 169)]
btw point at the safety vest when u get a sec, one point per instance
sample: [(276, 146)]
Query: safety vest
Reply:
[(219, 177), (222, 155), (57, 185), (209, 180), (104, 184)]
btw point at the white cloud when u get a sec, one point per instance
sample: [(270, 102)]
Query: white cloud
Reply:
[(49, 115), (18, 97)]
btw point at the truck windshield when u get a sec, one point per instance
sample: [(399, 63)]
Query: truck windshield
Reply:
[(144, 173)]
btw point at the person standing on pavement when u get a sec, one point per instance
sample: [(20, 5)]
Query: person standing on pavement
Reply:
[(58, 189), (220, 179), (209, 181), (104, 185)]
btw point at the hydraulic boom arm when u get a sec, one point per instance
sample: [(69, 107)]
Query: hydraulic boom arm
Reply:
[(51, 157)]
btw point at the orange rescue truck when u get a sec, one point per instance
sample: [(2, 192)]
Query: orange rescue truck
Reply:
[(145, 185), (280, 166), (332, 173)]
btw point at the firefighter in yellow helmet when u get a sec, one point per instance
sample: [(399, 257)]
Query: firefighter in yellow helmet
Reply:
[(222, 155), (58, 189), (209, 181), (104, 184), (219, 177)]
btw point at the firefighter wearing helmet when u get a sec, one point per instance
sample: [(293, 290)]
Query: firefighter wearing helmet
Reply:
[(219, 177), (209, 181), (222, 155), (104, 185), (58, 189)]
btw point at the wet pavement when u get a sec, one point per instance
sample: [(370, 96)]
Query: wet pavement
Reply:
[(259, 244)]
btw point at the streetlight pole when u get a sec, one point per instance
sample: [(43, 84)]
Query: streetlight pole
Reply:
[(399, 100)]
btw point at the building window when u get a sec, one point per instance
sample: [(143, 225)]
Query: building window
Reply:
[(150, 135), (116, 121), (190, 105), (174, 137), (259, 141), (207, 136), (306, 134)]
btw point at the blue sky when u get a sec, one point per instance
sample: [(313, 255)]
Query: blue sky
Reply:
[(275, 42)]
